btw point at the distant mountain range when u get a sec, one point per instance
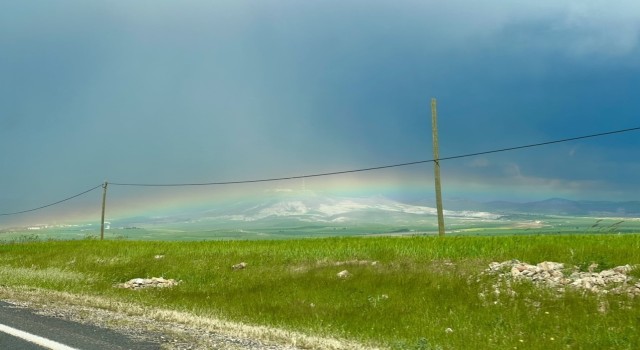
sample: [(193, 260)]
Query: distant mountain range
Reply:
[(553, 206), (314, 208), (287, 209), (282, 209), (300, 207)]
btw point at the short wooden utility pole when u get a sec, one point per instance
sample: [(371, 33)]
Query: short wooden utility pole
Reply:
[(436, 167), (104, 202)]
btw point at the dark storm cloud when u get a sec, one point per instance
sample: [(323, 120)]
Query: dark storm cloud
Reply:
[(161, 91)]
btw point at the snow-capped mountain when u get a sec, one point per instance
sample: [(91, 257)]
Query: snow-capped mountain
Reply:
[(309, 207), (302, 208)]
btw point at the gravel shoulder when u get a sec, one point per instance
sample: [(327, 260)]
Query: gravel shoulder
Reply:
[(172, 329)]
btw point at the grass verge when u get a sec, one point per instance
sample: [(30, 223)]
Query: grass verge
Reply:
[(402, 293)]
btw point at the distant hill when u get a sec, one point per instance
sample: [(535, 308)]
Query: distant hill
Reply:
[(282, 209), (300, 207), (309, 212), (552, 206)]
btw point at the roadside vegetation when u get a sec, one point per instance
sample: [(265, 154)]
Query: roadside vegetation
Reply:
[(399, 293)]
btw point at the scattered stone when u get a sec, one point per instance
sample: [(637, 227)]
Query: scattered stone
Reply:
[(355, 262), (154, 282), (552, 274), (239, 266), (448, 330), (158, 257), (625, 269), (344, 274), (550, 266), (603, 306)]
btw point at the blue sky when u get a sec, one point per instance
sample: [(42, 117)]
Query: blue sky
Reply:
[(197, 91)]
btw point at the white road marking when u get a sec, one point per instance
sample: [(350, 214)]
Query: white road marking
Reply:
[(49, 344)]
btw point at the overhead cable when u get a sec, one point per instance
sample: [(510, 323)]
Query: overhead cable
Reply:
[(52, 204), (541, 144), (330, 173), (376, 167)]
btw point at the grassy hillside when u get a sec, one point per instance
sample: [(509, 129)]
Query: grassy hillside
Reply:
[(402, 293), (279, 228)]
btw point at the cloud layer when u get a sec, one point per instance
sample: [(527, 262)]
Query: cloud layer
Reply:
[(196, 91)]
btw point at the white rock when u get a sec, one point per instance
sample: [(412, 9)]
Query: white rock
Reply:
[(623, 269), (139, 283), (550, 274), (551, 266), (607, 273), (343, 274), (239, 266), (495, 266)]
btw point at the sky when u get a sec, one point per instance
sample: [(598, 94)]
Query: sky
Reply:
[(206, 91)]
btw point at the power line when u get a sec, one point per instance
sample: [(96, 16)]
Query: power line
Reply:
[(542, 143), (377, 167), (52, 204), (330, 173), (272, 179)]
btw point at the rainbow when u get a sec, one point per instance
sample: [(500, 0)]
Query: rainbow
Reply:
[(129, 202), (158, 201)]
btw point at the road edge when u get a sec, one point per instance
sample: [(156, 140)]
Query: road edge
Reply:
[(176, 330)]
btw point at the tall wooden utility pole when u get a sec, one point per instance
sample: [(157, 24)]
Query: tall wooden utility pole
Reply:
[(104, 202), (436, 167)]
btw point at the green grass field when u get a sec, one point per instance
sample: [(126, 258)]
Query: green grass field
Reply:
[(514, 224), (417, 288)]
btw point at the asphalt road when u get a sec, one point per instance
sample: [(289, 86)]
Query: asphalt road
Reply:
[(68, 335)]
